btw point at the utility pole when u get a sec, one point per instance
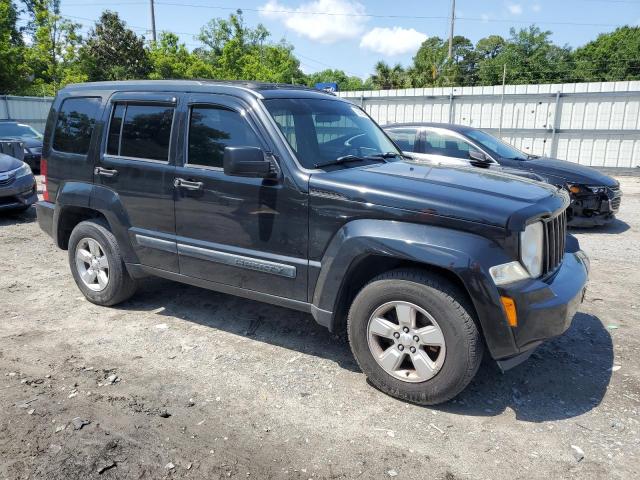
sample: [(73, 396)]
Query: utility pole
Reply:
[(153, 22), (453, 17)]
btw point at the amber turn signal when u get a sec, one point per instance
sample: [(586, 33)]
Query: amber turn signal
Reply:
[(510, 309), (574, 189)]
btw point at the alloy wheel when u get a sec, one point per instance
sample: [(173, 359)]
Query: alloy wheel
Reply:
[(92, 264), (406, 341)]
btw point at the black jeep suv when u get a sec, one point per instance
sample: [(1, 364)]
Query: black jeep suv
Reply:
[(297, 198)]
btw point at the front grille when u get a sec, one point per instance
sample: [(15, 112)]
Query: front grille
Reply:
[(555, 234), (7, 181), (615, 188)]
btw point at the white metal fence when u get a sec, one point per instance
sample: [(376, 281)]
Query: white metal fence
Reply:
[(30, 110), (594, 124)]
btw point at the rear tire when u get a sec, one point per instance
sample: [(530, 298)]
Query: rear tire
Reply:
[(97, 265), (414, 337)]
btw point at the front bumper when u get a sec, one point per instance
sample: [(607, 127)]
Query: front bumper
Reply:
[(545, 308), (19, 194), (594, 209), (33, 160)]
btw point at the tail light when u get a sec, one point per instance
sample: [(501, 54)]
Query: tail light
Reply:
[(43, 172)]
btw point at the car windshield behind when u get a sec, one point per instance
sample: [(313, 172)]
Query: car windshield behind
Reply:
[(17, 130), (496, 145), (322, 131)]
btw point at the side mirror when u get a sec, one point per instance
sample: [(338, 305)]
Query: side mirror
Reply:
[(479, 158), (246, 162)]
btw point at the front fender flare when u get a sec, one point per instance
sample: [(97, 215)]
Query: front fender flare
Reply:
[(466, 255)]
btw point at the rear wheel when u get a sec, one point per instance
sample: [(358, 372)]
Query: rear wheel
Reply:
[(97, 265), (413, 335)]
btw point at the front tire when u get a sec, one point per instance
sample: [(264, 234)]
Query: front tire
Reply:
[(97, 265), (414, 337)]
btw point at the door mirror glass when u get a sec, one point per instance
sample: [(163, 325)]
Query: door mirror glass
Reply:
[(478, 157), (246, 162)]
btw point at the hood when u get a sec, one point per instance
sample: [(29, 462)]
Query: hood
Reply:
[(8, 163), (562, 171), (464, 193), (31, 142)]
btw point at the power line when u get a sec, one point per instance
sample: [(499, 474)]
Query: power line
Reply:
[(363, 15)]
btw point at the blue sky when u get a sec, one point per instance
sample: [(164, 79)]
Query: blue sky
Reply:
[(352, 35)]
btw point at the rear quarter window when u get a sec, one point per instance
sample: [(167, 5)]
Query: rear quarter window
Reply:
[(75, 123)]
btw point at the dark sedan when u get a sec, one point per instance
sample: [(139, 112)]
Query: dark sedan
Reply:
[(30, 137), (18, 189), (595, 197)]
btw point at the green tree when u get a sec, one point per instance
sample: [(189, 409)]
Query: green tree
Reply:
[(612, 56), (433, 67), (386, 77), (489, 47), (530, 57), (12, 67), (170, 59), (239, 52), (51, 57), (113, 52), (344, 81)]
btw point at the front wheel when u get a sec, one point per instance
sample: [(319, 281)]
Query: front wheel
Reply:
[(413, 335)]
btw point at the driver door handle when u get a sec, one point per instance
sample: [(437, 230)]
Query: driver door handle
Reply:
[(105, 172), (187, 184)]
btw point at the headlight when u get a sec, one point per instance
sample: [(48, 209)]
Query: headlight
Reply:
[(23, 170), (585, 189), (27, 151), (531, 246)]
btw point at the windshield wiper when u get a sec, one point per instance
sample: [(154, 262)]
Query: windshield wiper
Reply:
[(386, 155), (346, 159)]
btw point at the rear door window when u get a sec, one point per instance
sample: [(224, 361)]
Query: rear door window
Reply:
[(140, 131), (74, 126)]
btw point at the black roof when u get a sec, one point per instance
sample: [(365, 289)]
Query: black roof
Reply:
[(449, 126), (258, 89)]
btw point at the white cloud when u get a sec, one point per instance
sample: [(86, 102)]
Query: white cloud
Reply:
[(514, 8), (536, 7), (392, 41), (308, 20)]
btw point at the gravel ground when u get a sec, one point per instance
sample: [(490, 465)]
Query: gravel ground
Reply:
[(181, 382)]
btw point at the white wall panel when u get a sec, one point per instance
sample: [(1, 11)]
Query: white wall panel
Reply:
[(595, 123)]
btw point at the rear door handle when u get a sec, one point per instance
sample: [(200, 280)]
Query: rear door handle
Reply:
[(187, 184), (105, 172)]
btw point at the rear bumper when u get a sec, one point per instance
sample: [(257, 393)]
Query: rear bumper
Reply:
[(545, 309), (22, 193), (44, 211)]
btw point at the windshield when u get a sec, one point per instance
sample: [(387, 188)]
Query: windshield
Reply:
[(19, 130), (322, 131), (496, 145)]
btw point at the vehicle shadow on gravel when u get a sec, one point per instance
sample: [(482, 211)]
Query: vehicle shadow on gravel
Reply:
[(13, 218), (566, 377), (266, 323), (617, 226)]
